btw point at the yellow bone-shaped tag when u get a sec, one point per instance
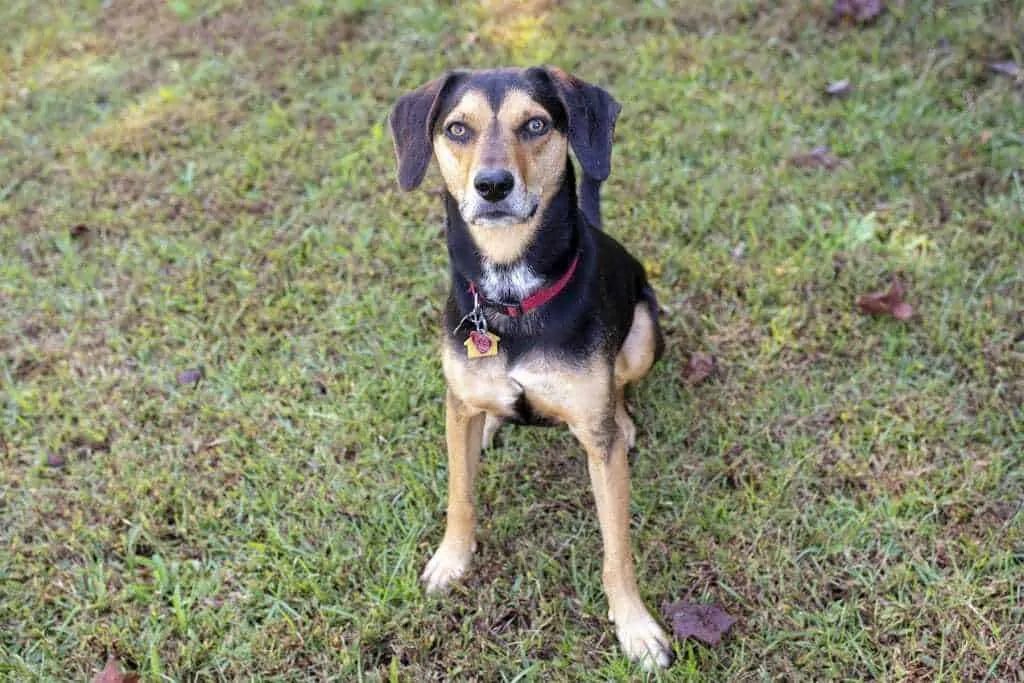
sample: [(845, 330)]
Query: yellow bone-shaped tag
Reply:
[(481, 344)]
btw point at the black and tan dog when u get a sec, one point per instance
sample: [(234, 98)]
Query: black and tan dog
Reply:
[(548, 318)]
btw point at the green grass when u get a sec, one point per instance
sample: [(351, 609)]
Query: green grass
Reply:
[(849, 487)]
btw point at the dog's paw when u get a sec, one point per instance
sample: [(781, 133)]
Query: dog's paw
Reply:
[(447, 565), (644, 642)]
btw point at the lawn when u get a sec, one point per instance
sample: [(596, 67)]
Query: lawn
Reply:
[(221, 430)]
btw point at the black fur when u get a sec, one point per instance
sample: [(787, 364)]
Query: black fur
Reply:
[(591, 315), (412, 124), (594, 312)]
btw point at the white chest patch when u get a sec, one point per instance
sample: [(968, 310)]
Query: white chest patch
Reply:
[(509, 283)]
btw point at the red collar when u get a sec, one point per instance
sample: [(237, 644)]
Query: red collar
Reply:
[(535, 300)]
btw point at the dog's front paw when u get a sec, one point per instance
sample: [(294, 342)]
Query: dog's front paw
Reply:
[(644, 642), (447, 564)]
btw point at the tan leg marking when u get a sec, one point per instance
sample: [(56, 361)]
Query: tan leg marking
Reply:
[(588, 401), (640, 636), (464, 428), (477, 389)]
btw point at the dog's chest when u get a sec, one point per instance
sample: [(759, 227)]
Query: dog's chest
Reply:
[(509, 283), (495, 386)]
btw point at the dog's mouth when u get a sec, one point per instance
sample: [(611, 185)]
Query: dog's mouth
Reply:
[(497, 217)]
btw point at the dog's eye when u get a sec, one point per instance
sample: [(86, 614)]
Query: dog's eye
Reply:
[(536, 126), (457, 131)]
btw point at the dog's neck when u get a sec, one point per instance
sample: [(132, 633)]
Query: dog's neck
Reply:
[(545, 258)]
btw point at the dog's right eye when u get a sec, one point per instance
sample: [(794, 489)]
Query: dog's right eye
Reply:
[(457, 131)]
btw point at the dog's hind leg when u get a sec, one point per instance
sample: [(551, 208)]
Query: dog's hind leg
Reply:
[(623, 419), (464, 429), (634, 360), (492, 423)]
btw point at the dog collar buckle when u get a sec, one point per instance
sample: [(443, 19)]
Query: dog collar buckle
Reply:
[(480, 343), (476, 315)]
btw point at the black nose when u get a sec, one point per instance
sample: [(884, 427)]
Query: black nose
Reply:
[(494, 185)]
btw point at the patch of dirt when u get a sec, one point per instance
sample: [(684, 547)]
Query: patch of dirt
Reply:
[(156, 125), (344, 28), (153, 26), (779, 21)]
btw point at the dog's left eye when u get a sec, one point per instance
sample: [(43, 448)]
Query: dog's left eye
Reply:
[(457, 131), (536, 126)]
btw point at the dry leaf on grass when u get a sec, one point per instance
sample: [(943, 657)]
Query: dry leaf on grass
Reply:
[(112, 673), (706, 623), (819, 157), (699, 368), (857, 11), (887, 303), (190, 376)]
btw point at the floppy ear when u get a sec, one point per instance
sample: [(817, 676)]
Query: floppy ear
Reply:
[(411, 123), (592, 113)]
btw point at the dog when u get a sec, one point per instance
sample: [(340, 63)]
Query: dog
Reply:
[(548, 318)]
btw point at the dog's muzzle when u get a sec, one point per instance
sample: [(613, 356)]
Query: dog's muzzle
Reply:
[(498, 198)]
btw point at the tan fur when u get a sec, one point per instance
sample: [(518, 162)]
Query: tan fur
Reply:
[(589, 398), (464, 429), (536, 164), (637, 353)]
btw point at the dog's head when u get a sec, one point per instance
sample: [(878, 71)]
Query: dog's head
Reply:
[(501, 138)]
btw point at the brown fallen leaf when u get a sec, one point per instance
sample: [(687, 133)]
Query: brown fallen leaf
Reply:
[(944, 210), (706, 623), (819, 157), (80, 231), (112, 673), (699, 368), (887, 303), (839, 263), (190, 376), (857, 11), (839, 88)]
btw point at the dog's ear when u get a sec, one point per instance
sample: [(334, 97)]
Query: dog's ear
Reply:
[(592, 113), (411, 123)]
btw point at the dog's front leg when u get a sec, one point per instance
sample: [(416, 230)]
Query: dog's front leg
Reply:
[(464, 429), (639, 634)]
